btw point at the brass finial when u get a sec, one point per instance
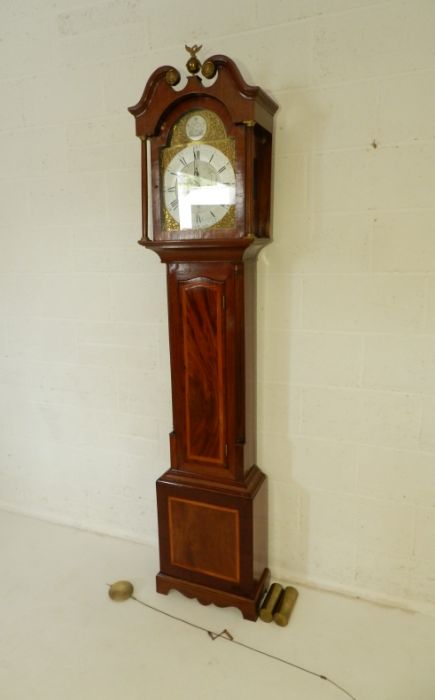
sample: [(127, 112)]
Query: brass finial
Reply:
[(209, 69), (193, 65), (172, 77)]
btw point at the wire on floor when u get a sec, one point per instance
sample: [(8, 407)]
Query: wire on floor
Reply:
[(229, 638)]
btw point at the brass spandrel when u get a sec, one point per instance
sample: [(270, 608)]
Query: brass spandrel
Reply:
[(169, 223), (228, 221)]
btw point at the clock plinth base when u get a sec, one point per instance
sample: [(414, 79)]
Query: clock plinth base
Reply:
[(213, 539), (248, 605)]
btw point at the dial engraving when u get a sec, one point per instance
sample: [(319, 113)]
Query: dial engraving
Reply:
[(196, 127), (197, 120)]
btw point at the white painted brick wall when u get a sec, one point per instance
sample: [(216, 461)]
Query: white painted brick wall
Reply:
[(346, 292)]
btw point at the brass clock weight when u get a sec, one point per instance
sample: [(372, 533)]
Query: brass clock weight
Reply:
[(206, 169)]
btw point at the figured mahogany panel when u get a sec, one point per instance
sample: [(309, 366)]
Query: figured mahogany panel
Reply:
[(204, 369), (204, 538)]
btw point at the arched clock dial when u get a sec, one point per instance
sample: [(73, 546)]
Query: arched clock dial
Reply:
[(199, 186)]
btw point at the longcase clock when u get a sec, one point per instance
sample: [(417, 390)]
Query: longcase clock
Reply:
[(206, 156)]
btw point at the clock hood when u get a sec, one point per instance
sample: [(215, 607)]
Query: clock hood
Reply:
[(245, 103)]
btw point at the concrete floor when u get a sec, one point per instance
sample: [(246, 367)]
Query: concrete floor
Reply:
[(62, 637)]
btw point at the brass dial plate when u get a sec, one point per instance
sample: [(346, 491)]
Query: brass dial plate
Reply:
[(199, 132)]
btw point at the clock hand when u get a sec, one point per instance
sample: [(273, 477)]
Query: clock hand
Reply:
[(195, 162)]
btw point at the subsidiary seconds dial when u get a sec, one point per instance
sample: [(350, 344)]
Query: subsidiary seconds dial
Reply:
[(199, 186)]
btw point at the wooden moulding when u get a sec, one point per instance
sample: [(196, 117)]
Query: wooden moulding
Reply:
[(248, 605)]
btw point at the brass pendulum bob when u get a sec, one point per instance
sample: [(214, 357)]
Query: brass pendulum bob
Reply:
[(121, 590)]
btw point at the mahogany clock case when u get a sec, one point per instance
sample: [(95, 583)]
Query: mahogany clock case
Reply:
[(212, 501)]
